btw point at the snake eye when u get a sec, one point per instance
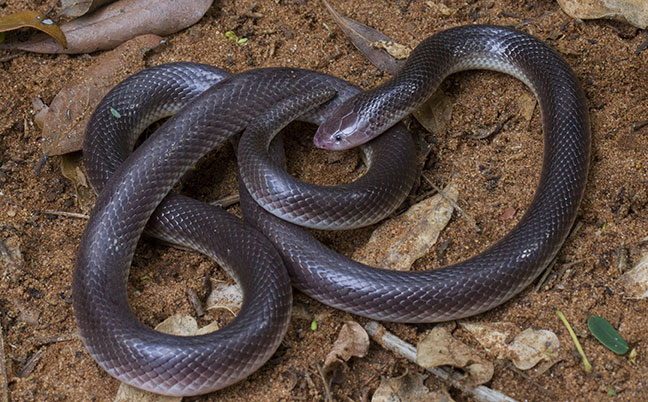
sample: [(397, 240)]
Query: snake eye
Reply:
[(338, 138)]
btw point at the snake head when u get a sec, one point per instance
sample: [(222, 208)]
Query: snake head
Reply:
[(345, 128)]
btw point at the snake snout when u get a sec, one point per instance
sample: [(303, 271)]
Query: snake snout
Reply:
[(343, 129)]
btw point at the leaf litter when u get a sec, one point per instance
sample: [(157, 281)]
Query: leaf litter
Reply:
[(113, 25)]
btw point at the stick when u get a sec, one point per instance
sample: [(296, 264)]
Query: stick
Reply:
[(391, 342), (65, 214), (4, 391)]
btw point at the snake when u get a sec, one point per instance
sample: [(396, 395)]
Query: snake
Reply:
[(267, 254)]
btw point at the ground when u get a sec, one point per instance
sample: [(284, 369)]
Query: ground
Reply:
[(46, 362)]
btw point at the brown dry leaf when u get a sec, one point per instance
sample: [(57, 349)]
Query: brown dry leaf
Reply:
[(352, 340), (226, 296), (10, 255), (408, 387), (65, 121), (634, 12), (362, 36), (110, 26), (533, 346), (397, 243), (439, 348), (76, 8), (396, 50), (435, 114), (526, 103), (635, 281), (525, 349), (71, 169), (36, 20), (441, 8)]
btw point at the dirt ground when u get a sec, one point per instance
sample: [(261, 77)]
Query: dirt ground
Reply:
[(46, 362)]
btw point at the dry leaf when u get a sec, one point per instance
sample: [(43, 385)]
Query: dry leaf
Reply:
[(71, 170), (532, 346), (526, 349), (439, 348), (76, 8), (351, 341), (633, 11), (224, 295), (34, 20), (362, 36), (635, 281), (526, 103), (396, 50), (408, 387), (435, 113), (441, 8), (397, 243), (110, 26), (65, 121), (10, 255)]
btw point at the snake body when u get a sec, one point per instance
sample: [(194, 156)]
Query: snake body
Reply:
[(134, 189)]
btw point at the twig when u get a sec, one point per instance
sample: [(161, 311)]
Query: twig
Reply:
[(391, 342), (11, 56), (454, 205), (327, 390), (4, 389), (642, 46), (30, 364), (65, 214), (638, 125), (545, 274), (57, 338), (226, 201)]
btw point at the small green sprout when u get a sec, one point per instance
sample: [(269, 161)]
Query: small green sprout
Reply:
[(313, 325), (607, 335), (234, 38), (586, 363)]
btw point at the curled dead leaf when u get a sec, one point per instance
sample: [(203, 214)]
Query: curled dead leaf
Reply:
[(399, 242), (36, 20), (65, 121), (635, 281), (439, 348), (408, 387), (525, 349), (118, 22), (634, 12), (76, 8), (435, 113), (225, 296), (352, 341), (362, 37), (396, 50)]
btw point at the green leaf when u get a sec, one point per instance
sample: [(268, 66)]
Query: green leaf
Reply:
[(313, 325), (115, 113), (607, 335)]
